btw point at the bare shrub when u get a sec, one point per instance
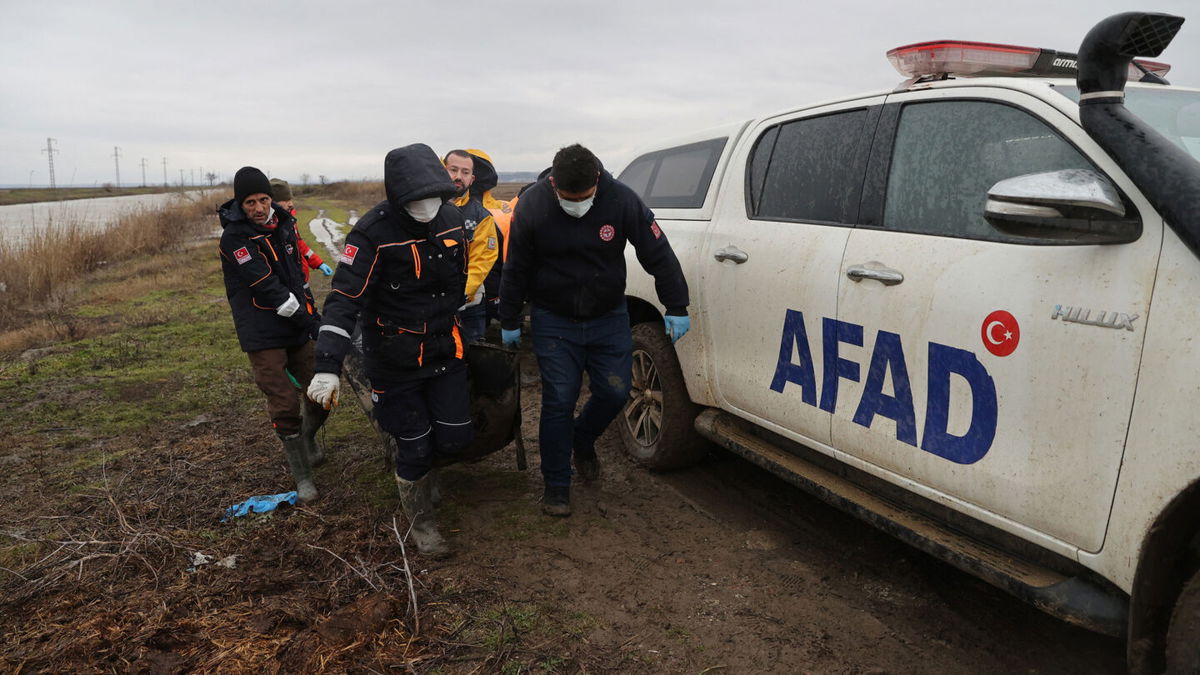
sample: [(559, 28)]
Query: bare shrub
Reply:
[(39, 272)]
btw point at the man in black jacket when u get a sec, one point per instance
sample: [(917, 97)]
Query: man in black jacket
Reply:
[(273, 313), (567, 257), (404, 269)]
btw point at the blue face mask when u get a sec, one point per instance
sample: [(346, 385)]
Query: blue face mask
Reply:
[(576, 209)]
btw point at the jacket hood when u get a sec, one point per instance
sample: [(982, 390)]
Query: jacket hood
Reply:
[(414, 172), (485, 172)]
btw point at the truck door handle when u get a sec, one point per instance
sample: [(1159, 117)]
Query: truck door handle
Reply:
[(731, 253), (877, 271)]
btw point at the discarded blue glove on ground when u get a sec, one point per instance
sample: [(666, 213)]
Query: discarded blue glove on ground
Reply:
[(261, 504)]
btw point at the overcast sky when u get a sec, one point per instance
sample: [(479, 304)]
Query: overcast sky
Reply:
[(328, 87)]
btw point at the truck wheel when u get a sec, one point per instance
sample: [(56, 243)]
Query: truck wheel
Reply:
[(656, 424), (1183, 636)]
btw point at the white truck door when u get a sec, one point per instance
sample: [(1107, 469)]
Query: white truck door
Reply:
[(772, 258), (998, 375)]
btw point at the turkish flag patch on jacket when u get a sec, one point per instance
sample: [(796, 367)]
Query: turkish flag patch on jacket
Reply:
[(242, 255), (348, 255)]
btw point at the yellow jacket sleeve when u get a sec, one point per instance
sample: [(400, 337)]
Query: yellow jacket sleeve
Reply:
[(481, 256)]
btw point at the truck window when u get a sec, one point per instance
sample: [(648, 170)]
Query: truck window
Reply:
[(811, 173), (948, 154), (675, 178)]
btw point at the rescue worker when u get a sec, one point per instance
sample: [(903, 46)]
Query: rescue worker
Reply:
[(566, 257), (274, 315), (480, 229), (404, 269), (485, 180), (281, 192)]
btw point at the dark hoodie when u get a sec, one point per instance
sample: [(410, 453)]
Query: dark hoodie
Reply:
[(261, 267), (575, 267), (406, 278)]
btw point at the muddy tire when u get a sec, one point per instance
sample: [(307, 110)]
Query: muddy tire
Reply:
[(1183, 636), (656, 424)]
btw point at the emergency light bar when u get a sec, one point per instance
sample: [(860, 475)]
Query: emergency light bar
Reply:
[(965, 59)]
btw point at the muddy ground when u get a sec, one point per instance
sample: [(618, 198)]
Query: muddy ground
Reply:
[(719, 568)]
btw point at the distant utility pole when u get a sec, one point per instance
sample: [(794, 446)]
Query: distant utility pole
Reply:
[(181, 178), (165, 183), (31, 172), (191, 176), (143, 172), (50, 150), (117, 162)]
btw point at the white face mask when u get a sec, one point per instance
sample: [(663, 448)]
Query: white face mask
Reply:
[(576, 209), (423, 210)]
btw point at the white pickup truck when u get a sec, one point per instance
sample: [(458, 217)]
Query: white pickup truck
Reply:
[(966, 311)]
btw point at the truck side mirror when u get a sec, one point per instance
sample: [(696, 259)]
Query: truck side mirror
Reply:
[(1070, 204)]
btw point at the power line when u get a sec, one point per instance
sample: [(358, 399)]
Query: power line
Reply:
[(117, 163), (50, 150)]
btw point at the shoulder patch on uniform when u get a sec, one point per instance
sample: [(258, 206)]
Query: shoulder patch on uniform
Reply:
[(242, 255), (348, 255), (655, 229), (491, 243)]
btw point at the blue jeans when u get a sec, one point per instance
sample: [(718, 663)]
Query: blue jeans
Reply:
[(565, 349)]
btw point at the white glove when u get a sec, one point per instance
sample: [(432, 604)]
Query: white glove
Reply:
[(323, 389), (475, 300), (289, 306)]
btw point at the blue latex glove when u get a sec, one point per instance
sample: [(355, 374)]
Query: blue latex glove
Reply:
[(510, 338), (326, 270), (259, 505), (677, 326)]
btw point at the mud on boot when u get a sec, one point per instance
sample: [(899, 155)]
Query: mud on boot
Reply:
[(295, 448), (556, 501), (416, 500)]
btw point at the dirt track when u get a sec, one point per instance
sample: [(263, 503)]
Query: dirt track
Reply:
[(723, 566)]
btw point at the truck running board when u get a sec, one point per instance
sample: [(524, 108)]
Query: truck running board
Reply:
[(1070, 598)]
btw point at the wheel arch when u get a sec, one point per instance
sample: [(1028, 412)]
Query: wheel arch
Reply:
[(641, 311), (1170, 554)]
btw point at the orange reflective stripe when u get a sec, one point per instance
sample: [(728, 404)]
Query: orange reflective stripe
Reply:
[(458, 345), (416, 260), (421, 355)]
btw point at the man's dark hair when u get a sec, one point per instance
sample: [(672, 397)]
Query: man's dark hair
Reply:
[(458, 153), (574, 169)]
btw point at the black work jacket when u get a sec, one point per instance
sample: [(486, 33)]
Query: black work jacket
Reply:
[(261, 267), (575, 267)]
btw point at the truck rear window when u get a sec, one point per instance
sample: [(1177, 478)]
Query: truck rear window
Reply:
[(675, 178)]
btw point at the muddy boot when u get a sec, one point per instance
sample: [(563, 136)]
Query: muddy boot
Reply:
[(435, 486), (297, 459), (584, 452), (556, 501), (311, 421), (415, 499)]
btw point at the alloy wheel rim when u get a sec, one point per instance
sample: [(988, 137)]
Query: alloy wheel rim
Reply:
[(643, 412)]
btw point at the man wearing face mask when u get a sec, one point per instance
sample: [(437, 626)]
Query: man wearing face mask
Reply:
[(274, 314), (482, 248), (404, 269), (566, 256)]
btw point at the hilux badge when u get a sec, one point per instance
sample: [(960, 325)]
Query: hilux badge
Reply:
[(1071, 314)]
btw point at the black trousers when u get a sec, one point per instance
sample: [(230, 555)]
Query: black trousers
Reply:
[(430, 418)]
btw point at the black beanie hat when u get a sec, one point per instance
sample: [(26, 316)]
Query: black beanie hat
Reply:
[(249, 181)]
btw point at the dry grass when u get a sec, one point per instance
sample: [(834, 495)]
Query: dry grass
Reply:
[(39, 273), (363, 192)]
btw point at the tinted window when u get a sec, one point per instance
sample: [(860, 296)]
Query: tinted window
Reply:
[(948, 154), (812, 173), (637, 175), (675, 178)]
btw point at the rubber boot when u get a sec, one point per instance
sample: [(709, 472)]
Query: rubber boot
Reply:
[(418, 506), (297, 459), (312, 418), (435, 485)]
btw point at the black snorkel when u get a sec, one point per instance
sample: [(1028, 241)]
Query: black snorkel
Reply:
[(1167, 175)]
